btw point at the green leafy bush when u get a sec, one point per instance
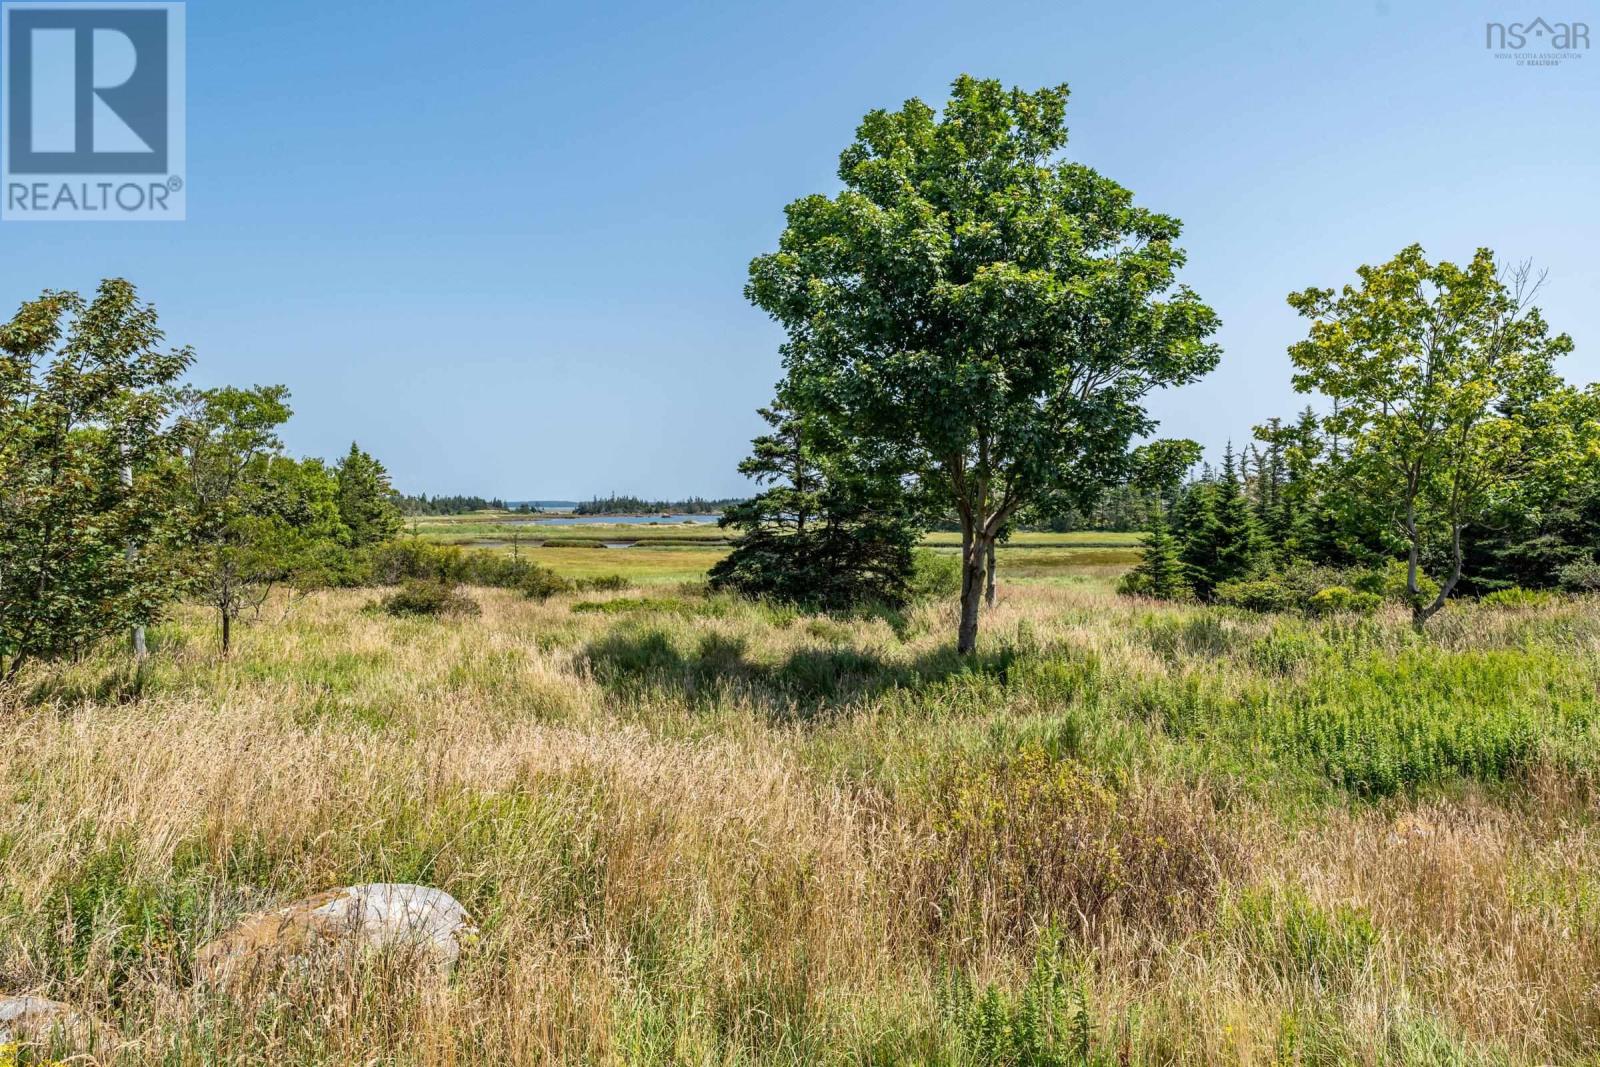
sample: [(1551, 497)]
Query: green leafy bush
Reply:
[(934, 575), (1516, 597), (541, 583), (1389, 582), (394, 562), (1256, 594), (1582, 576), (602, 583), (399, 561), (429, 597), (1341, 600)]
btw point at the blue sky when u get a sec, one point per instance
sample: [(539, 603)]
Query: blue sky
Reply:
[(502, 245)]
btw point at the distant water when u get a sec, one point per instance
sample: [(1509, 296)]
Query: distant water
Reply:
[(622, 520)]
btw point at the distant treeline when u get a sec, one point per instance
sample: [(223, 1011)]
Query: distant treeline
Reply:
[(1121, 508), (423, 504), (632, 505)]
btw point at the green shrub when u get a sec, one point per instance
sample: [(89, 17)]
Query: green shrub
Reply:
[(934, 575), (602, 583), (1389, 582), (1516, 597), (394, 562), (1341, 600), (1255, 594), (1140, 582), (428, 597), (541, 583), (1582, 576)]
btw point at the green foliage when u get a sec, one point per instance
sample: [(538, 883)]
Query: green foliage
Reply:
[(366, 499), (1582, 576), (828, 567), (632, 505), (1392, 582), (1441, 380), (241, 497), (541, 583), (1517, 598), (85, 475), (1339, 600), (1160, 572), (602, 583), (1258, 594), (397, 561), (977, 312), (829, 532), (429, 597), (1220, 537), (1393, 723), (455, 504), (934, 575), (1044, 1024)]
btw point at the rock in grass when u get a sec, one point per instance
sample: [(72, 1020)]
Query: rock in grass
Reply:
[(30, 1019), (429, 924)]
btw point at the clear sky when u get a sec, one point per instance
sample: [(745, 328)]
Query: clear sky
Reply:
[(502, 244)]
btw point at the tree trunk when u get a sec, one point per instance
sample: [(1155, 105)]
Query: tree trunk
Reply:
[(972, 577), (988, 586), (227, 619), (1421, 613)]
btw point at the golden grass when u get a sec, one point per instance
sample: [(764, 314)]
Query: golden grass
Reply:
[(699, 831)]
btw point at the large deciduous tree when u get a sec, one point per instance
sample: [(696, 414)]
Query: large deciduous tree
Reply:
[(87, 522), (984, 312), (1437, 372)]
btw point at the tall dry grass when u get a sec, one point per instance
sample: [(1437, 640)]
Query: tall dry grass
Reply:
[(698, 831)]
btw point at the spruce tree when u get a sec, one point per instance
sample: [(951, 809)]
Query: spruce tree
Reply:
[(1223, 540), (1193, 526), (1161, 572), (366, 500)]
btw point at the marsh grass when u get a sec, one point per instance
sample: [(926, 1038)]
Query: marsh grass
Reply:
[(697, 830)]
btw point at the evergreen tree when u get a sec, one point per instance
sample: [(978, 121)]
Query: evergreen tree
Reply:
[(832, 530), (1193, 515), (366, 500), (1161, 572), (1223, 540)]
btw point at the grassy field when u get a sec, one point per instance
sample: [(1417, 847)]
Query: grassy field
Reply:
[(700, 831), (497, 528)]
